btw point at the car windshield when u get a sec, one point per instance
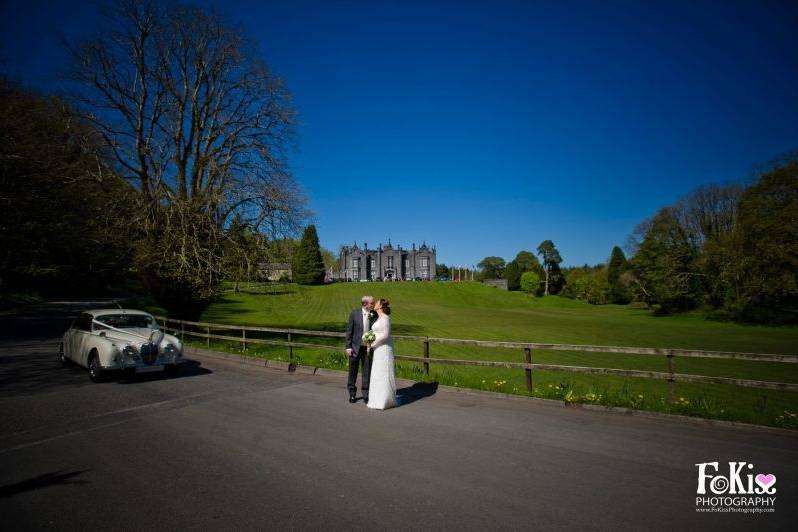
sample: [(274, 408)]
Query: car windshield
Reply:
[(128, 321)]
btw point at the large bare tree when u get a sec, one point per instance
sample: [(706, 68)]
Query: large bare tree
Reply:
[(198, 123)]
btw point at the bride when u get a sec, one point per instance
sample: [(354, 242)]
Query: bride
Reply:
[(382, 394)]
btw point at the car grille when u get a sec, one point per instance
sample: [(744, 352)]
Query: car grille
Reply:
[(149, 353)]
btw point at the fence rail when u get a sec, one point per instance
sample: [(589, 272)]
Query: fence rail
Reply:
[(527, 366)]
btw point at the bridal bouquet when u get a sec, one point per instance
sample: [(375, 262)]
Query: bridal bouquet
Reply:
[(369, 337)]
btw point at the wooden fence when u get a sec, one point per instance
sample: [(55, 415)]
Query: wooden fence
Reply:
[(526, 348)]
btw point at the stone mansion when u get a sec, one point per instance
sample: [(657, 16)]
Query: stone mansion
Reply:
[(386, 263)]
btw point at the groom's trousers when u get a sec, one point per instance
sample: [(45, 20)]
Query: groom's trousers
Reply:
[(361, 360)]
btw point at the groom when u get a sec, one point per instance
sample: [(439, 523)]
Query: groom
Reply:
[(360, 321)]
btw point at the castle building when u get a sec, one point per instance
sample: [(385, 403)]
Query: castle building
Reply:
[(387, 263)]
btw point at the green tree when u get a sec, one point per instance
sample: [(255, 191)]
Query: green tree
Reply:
[(551, 266), (768, 234), (528, 262), (308, 265), (664, 265), (64, 221), (513, 275), (442, 269), (617, 266), (329, 259), (492, 268), (530, 282)]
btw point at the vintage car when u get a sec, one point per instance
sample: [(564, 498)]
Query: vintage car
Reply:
[(119, 339)]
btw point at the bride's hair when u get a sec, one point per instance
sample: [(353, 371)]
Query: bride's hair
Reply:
[(386, 306)]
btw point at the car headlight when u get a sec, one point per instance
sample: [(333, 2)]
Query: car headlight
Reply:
[(130, 352), (169, 349)]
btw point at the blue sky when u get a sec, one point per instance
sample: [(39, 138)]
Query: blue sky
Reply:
[(485, 128)]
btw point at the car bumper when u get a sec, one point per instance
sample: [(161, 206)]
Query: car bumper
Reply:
[(142, 367)]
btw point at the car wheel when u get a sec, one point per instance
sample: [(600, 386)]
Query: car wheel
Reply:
[(62, 356), (170, 369), (95, 369)]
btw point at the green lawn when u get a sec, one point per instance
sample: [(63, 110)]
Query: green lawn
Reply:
[(471, 310)]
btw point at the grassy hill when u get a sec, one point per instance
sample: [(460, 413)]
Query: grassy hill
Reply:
[(474, 311)]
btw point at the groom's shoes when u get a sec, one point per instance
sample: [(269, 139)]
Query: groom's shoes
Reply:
[(352, 399), (366, 400)]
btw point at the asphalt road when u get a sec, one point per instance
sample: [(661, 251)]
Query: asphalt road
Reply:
[(227, 446)]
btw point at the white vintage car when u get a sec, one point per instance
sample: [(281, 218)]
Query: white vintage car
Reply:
[(119, 339)]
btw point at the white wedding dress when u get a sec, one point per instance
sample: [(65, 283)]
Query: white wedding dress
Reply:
[(382, 384)]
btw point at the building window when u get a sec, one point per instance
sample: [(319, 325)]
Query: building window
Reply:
[(356, 263), (425, 262), (407, 264), (356, 275), (390, 262), (373, 264)]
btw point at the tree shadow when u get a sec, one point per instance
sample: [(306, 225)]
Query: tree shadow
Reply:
[(43, 481), (418, 390)]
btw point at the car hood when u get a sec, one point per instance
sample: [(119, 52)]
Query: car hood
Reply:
[(137, 336)]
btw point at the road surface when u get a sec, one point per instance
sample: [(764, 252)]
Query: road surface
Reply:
[(228, 446)]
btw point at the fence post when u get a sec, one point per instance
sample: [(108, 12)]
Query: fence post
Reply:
[(671, 380), (426, 357), (290, 348), (528, 371), (208, 337), (244, 339)]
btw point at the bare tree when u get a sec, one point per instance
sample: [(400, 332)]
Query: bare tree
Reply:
[(197, 122), (709, 212)]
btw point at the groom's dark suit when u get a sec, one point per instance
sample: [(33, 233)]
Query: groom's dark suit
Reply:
[(360, 357)]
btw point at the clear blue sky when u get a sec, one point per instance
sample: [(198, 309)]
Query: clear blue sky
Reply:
[(487, 128)]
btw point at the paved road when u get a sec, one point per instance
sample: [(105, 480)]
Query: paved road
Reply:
[(226, 446)]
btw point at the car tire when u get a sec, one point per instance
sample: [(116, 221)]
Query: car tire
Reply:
[(62, 356), (96, 373), (170, 369)]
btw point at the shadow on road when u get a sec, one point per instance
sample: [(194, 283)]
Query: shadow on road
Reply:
[(34, 372), (43, 481), (190, 368), (418, 390)]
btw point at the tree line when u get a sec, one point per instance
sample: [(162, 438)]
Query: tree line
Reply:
[(731, 250), (164, 163)]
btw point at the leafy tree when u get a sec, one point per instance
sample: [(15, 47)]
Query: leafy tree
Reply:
[(329, 259), (530, 282), (244, 252), (492, 268), (513, 275), (592, 287), (618, 264), (768, 234), (308, 264), (528, 262), (663, 267), (551, 266), (196, 122), (442, 269), (64, 226)]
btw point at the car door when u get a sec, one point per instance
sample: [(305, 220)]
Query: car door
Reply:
[(80, 339), (71, 339), (67, 339)]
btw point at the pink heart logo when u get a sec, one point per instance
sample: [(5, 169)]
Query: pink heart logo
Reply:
[(765, 480)]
